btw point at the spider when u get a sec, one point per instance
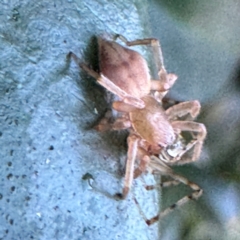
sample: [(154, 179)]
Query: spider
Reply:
[(153, 131)]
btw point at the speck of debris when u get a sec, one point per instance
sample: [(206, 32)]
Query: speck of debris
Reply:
[(9, 176), (27, 198), (51, 147), (87, 176), (39, 214), (15, 14), (95, 111)]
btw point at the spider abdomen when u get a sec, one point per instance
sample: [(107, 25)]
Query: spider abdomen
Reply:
[(126, 68)]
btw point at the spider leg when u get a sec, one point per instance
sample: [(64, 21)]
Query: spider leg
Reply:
[(165, 81), (131, 157), (162, 86), (162, 185), (119, 124), (122, 122), (184, 108), (195, 144), (142, 155), (104, 124), (157, 165), (123, 107), (153, 42), (108, 84)]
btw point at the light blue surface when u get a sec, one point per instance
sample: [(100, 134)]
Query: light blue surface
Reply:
[(47, 111)]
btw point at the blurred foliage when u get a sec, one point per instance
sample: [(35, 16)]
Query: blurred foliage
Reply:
[(182, 10), (216, 215)]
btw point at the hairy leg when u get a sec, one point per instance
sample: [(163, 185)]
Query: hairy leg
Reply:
[(183, 109), (158, 166), (200, 133), (131, 157), (108, 84)]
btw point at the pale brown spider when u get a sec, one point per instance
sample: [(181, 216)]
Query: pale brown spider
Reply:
[(153, 130)]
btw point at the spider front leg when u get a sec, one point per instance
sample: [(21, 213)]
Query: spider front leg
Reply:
[(108, 84), (158, 166), (183, 109), (195, 144)]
